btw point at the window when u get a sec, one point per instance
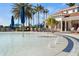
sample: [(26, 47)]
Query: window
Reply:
[(78, 9), (73, 10), (66, 12), (70, 11)]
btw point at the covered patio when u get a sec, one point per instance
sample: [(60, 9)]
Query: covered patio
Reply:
[(68, 24)]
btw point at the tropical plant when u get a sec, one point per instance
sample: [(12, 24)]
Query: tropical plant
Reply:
[(16, 10), (70, 4), (33, 13), (45, 12), (51, 22), (29, 17), (39, 9), (12, 23)]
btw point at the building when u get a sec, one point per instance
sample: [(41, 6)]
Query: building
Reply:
[(68, 19)]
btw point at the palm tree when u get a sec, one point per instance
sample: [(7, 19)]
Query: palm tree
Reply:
[(45, 12), (28, 10), (33, 13), (39, 9), (70, 4), (16, 10), (51, 22)]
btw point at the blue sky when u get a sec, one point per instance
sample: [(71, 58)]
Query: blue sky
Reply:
[(6, 8)]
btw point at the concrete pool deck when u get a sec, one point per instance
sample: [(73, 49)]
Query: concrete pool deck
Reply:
[(32, 44), (37, 44)]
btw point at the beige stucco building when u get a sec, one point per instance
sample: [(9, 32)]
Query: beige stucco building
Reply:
[(68, 19)]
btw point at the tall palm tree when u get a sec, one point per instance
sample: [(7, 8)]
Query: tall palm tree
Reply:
[(70, 4), (33, 13), (39, 9), (45, 12), (28, 10), (16, 10)]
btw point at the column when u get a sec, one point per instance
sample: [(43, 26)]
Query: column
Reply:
[(55, 28), (70, 25), (65, 25), (61, 25)]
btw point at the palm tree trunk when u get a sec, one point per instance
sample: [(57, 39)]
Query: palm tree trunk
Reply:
[(18, 22), (38, 20), (29, 23), (26, 21), (33, 20), (46, 15)]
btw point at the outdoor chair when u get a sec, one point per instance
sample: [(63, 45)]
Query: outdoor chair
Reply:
[(72, 29), (35, 29), (78, 29)]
